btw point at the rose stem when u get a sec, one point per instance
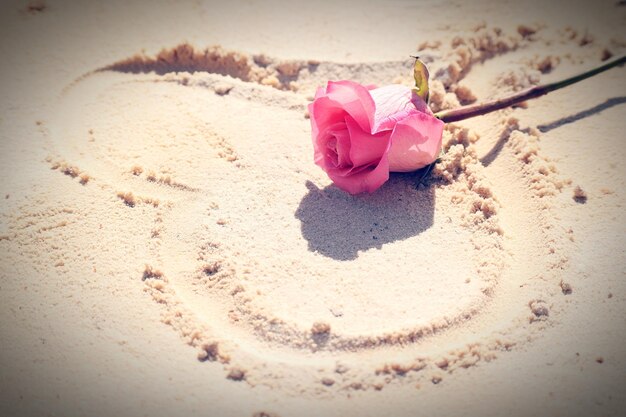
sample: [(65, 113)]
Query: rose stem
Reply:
[(465, 112)]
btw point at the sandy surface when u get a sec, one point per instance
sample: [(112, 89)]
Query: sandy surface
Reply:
[(168, 247)]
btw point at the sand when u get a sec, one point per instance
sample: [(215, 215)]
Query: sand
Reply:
[(168, 247)]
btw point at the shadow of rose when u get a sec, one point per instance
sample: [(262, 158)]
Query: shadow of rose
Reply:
[(339, 225)]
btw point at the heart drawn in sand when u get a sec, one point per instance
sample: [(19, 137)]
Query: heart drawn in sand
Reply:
[(255, 257)]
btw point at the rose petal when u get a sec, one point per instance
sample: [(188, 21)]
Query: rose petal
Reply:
[(355, 100), (332, 147), (324, 113), (364, 147), (367, 180), (415, 142), (343, 147), (394, 103), (339, 141), (321, 91)]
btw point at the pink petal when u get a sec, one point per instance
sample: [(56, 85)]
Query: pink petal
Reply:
[(332, 146), (325, 112), (415, 142), (321, 91), (364, 147), (394, 103), (343, 146), (355, 100), (367, 180)]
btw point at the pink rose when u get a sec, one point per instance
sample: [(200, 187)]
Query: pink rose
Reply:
[(361, 133)]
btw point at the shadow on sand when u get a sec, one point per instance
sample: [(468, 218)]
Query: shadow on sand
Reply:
[(339, 225), (544, 128), (612, 102)]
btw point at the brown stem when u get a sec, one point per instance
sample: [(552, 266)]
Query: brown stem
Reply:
[(465, 112)]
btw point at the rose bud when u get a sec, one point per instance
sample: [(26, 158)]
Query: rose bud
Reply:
[(360, 134)]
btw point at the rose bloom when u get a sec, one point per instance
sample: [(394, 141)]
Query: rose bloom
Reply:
[(361, 133)]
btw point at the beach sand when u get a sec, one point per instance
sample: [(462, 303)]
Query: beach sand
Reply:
[(168, 247)]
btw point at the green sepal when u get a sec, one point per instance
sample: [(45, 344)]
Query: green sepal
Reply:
[(420, 73)]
